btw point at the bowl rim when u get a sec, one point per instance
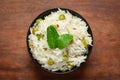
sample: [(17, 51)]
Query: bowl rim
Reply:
[(42, 15)]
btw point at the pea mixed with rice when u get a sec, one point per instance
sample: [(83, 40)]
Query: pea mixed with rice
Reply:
[(59, 41)]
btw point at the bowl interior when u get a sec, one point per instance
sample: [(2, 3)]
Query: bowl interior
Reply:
[(45, 13)]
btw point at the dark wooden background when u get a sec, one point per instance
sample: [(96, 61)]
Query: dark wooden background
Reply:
[(103, 17)]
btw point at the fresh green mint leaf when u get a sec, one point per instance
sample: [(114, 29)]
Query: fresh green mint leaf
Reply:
[(64, 40), (52, 36), (57, 41)]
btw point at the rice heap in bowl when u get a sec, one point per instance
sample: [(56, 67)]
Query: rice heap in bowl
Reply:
[(58, 59)]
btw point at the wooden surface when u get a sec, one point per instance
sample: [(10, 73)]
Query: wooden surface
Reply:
[(103, 17)]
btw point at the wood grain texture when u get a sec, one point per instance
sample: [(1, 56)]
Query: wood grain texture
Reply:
[(103, 17)]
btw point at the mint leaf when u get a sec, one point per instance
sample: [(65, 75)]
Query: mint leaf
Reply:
[(52, 36), (57, 41), (63, 40)]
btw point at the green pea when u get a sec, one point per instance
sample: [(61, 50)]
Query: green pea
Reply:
[(34, 29), (30, 46), (70, 65), (62, 17), (85, 43), (50, 62), (38, 20)]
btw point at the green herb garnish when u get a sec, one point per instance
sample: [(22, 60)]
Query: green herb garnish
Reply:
[(63, 40), (57, 41), (52, 36)]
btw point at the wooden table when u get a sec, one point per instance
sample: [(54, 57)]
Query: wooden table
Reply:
[(103, 17)]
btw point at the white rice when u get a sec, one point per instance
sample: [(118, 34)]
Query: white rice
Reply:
[(76, 50)]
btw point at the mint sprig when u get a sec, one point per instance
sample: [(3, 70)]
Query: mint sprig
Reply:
[(57, 41)]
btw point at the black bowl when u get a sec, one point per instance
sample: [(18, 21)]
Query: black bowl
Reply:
[(47, 12)]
